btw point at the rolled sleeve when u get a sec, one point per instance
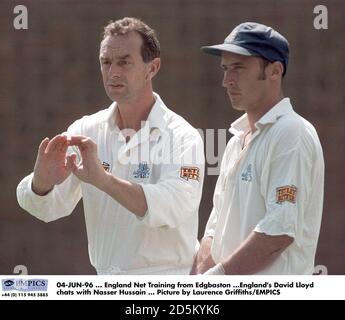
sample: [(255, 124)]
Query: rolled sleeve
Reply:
[(177, 193), (171, 202), (285, 186)]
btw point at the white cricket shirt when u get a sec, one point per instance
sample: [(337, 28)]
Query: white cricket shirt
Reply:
[(273, 186), (166, 157)]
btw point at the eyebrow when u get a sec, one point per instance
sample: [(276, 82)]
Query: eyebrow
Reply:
[(124, 57), (234, 64)]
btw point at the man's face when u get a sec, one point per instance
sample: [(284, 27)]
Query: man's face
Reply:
[(245, 81), (123, 69)]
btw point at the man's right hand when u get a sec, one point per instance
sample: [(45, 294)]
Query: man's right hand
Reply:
[(52, 166), (203, 259)]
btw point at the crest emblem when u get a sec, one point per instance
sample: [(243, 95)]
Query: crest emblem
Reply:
[(247, 174), (143, 171)]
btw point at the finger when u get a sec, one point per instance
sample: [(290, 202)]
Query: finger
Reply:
[(43, 146), (56, 143), (62, 147), (81, 142), (74, 140)]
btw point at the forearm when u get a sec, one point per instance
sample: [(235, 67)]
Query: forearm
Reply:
[(256, 253), (203, 259), (129, 195)]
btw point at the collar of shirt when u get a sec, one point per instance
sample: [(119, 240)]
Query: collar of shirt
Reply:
[(152, 127), (240, 126)]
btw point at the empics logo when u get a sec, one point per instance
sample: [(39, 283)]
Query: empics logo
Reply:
[(24, 285), (8, 283)]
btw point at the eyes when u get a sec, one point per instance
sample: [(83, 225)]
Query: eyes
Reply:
[(123, 63), (235, 67), (120, 63)]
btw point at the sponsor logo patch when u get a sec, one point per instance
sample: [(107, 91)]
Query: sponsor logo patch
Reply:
[(286, 193), (190, 173)]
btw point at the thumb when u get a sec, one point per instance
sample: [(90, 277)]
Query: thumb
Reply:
[(43, 146)]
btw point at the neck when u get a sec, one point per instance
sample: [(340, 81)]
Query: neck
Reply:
[(256, 113), (132, 113)]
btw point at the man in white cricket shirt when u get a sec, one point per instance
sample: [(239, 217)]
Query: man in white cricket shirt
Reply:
[(268, 200), (138, 166)]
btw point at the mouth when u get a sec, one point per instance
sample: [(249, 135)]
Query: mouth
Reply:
[(233, 93), (115, 85)]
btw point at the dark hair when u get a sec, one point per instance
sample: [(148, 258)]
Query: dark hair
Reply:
[(150, 48)]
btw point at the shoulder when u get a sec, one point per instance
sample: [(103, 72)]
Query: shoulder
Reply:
[(291, 131), (179, 127), (292, 126)]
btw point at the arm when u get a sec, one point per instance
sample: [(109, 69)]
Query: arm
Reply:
[(128, 194), (90, 170), (173, 195), (203, 259), (256, 253)]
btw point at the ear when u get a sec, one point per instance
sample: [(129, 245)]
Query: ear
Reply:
[(153, 68), (277, 70)]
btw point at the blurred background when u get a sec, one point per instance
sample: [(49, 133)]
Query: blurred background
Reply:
[(49, 77)]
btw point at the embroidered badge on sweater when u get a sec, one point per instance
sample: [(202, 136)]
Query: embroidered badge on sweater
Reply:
[(286, 193), (247, 174), (190, 173), (142, 172)]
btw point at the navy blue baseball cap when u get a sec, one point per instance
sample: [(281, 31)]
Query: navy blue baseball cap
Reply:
[(254, 39)]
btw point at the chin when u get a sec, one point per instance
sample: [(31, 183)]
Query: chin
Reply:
[(237, 106)]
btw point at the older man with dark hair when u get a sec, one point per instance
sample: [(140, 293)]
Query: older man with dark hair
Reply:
[(138, 166)]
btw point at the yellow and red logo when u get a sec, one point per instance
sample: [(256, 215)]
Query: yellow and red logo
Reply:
[(190, 173), (286, 193)]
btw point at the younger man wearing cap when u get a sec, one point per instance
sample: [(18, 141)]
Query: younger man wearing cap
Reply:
[(269, 195)]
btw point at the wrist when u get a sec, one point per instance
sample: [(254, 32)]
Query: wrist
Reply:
[(40, 189), (104, 181), (217, 270)]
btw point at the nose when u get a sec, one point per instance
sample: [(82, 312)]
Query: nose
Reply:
[(114, 71), (228, 79)]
